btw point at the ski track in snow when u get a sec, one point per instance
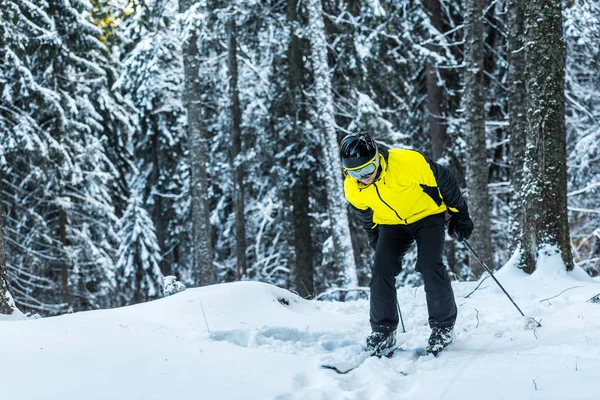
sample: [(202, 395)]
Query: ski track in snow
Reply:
[(259, 347)]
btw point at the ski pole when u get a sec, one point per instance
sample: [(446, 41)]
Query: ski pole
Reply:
[(400, 314), (493, 277)]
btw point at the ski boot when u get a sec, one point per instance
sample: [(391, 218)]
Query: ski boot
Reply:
[(381, 343), (439, 339)]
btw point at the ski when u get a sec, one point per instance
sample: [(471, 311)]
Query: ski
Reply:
[(366, 356), (337, 370), (389, 354)]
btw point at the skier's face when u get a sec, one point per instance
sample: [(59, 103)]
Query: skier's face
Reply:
[(370, 179)]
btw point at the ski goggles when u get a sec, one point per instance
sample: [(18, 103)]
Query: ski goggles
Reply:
[(366, 170)]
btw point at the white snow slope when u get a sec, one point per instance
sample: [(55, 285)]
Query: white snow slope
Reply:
[(259, 348)]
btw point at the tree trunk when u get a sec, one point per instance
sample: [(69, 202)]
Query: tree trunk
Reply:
[(343, 256), (159, 214), (7, 305), (473, 105), (204, 272), (236, 149), (516, 111), (545, 225), (435, 91), (64, 269), (303, 273), (303, 268)]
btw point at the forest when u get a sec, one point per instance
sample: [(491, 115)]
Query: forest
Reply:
[(142, 140)]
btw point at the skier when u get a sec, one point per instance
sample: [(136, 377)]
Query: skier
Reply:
[(400, 196)]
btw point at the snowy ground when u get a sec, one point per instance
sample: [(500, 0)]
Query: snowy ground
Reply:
[(259, 348)]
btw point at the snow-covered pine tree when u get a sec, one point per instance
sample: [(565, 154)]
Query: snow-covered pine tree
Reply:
[(152, 79), (58, 176), (23, 157), (295, 110), (194, 46), (545, 226), (497, 130), (137, 269), (7, 304), (274, 148), (236, 151), (378, 73), (582, 19), (516, 111), (473, 106), (261, 48), (436, 96), (341, 252)]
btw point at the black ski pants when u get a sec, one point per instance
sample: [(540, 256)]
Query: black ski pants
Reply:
[(393, 243)]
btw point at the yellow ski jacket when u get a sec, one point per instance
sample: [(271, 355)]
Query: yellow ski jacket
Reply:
[(408, 188)]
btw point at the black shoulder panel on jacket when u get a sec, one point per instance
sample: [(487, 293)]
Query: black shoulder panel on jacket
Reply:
[(448, 186)]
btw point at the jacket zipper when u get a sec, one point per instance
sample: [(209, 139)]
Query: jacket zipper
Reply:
[(390, 207)]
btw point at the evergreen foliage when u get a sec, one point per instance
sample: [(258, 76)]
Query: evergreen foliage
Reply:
[(152, 80), (97, 151), (58, 114), (582, 92), (137, 269)]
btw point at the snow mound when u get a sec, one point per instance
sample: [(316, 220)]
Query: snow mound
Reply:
[(15, 316), (251, 340)]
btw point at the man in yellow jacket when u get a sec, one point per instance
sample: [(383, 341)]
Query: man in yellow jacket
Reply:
[(400, 197)]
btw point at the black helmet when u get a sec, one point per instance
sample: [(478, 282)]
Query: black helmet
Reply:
[(357, 149), (359, 155)]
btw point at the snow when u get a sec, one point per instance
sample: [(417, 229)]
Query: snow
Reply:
[(251, 340)]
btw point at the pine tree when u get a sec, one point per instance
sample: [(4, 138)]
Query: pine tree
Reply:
[(137, 269), (265, 126), (95, 95), (545, 227), (203, 270), (237, 165), (582, 90), (516, 112), (303, 273), (7, 304), (152, 80), (436, 102), (473, 103), (60, 204), (342, 252)]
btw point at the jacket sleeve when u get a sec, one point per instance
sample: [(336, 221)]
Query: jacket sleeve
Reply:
[(448, 188), (366, 220)]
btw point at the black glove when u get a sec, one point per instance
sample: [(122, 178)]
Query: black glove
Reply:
[(461, 225)]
